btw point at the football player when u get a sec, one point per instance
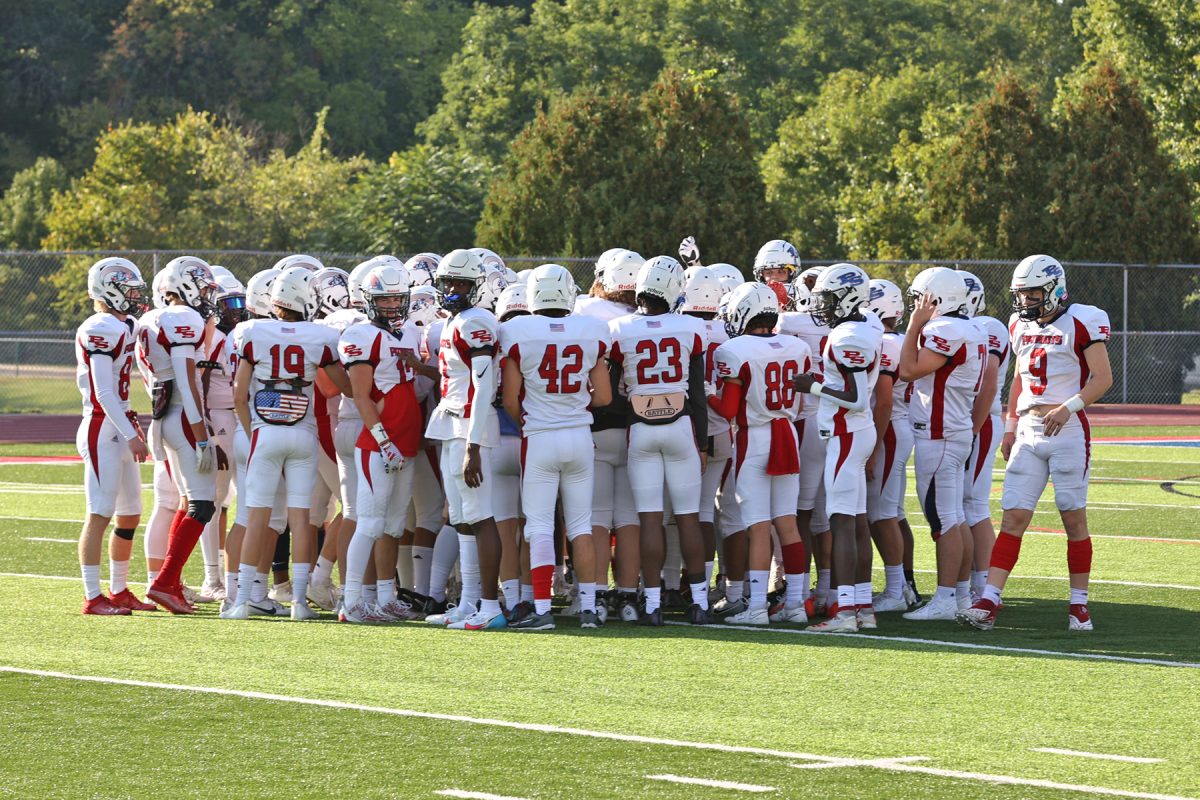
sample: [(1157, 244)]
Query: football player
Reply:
[(1062, 367), (551, 358), (944, 356), (661, 355), (757, 366), (507, 497), (844, 422), (109, 438)]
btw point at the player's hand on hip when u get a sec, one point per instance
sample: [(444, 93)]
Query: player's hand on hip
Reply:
[(137, 446), (870, 467), (473, 467), (204, 457), (1006, 444), (222, 458), (1055, 420)]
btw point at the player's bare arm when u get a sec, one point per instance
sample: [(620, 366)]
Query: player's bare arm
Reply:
[(1010, 417), (981, 409), (483, 379), (511, 383), (881, 416), (241, 393), (917, 362), (413, 362), (599, 385), (335, 373), (807, 382)]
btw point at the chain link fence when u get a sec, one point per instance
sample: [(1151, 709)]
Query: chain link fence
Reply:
[(1154, 311)]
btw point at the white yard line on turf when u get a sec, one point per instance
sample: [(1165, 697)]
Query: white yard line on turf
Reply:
[(44, 539), (890, 765), (734, 785), (475, 795), (1134, 584), (1101, 756), (41, 519), (918, 526)]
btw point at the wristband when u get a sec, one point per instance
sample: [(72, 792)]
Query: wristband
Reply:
[(1010, 425), (817, 389), (1075, 404), (378, 433)]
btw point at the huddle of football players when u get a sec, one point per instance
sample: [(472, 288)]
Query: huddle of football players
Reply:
[(446, 428)]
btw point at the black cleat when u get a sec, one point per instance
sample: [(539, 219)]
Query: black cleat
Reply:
[(699, 616), (652, 619)]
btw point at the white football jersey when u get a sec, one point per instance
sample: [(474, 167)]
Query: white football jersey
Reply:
[(765, 365), (654, 351), (999, 346), (158, 334), (104, 334), (285, 357), (1050, 358), (366, 342), (340, 320), (942, 400), (215, 370), (801, 325), (555, 355), (715, 335), (851, 347), (889, 364), (599, 308), (462, 333)]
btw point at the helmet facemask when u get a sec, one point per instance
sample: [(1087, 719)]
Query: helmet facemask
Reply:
[(823, 306), (451, 295), (1035, 311), (387, 315)]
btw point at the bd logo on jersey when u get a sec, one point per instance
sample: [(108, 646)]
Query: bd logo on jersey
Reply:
[(98, 341), (482, 337), (850, 279), (352, 350), (186, 331), (854, 357)]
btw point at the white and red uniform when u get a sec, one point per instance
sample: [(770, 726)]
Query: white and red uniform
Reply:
[(599, 308), (555, 356), (451, 421), (851, 355), (285, 357), (655, 354), (1052, 364), (812, 446), (718, 483), (214, 375), (241, 455), (885, 492), (941, 417), (768, 455), (383, 498), (348, 426), (427, 509), (167, 340), (104, 358), (977, 487)]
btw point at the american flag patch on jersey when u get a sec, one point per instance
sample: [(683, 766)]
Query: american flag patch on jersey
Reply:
[(288, 330), (653, 323), (557, 327), (776, 345), (280, 408)]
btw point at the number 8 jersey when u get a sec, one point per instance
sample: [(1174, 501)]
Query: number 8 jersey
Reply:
[(765, 365), (1050, 357), (285, 357)]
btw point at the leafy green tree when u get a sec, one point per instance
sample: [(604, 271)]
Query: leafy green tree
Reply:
[(25, 205)]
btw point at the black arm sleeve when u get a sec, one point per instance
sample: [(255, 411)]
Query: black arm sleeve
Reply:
[(616, 414), (697, 401)]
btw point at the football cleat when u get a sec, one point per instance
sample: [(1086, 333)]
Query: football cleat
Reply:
[(574, 608), (866, 618), (101, 606), (400, 610), (981, 616), (842, 622), (716, 593), (884, 604), (1078, 618), (127, 599), (301, 612), (170, 599), (591, 619), (236, 610), (652, 619), (911, 594), (726, 607), (213, 590), (748, 616), (322, 594), (228, 603), (935, 611), (699, 616), (627, 607), (280, 592), (672, 600), (796, 615), (482, 621), (265, 608), (963, 601), (362, 613), (820, 606), (533, 621), (452, 613)]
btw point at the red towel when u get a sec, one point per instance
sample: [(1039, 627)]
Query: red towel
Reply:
[(785, 456)]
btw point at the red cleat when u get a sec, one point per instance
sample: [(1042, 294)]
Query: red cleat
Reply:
[(101, 606), (171, 599), (127, 599)]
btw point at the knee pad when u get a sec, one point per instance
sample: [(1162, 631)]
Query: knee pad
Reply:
[(201, 510), (370, 527)]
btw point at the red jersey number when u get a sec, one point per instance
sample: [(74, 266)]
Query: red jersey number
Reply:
[(651, 351), (289, 360), (1037, 371), (561, 371), (777, 377)]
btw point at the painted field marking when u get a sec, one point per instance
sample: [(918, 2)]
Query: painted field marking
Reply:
[(44, 539), (734, 785), (920, 526), (475, 795), (873, 762), (41, 519), (889, 765), (1101, 756), (1135, 584)]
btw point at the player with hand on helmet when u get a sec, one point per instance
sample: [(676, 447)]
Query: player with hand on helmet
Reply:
[(1062, 366)]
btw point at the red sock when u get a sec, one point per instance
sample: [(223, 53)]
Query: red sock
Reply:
[(543, 578), (795, 558), (1005, 551), (179, 549), (1079, 556)]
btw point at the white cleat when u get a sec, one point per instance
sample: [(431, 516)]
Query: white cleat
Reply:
[(301, 612), (236, 611), (935, 611), (453, 614), (1078, 618), (322, 594), (214, 591), (362, 613), (910, 596), (866, 619), (400, 611), (751, 616), (842, 622), (795, 616), (884, 604), (280, 592)]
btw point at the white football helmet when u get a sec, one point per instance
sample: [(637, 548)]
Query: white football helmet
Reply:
[(776, 254), (118, 282), (158, 292), (551, 287), (359, 274), (460, 265), (495, 281), (489, 257), (661, 277), (603, 261), (384, 281), (258, 292), (1039, 272), (730, 276), (947, 287), (231, 299), (974, 292), (293, 290), (840, 291), (747, 302), (621, 270), (191, 279), (801, 294), (331, 286), (702, 291), (219, 272), (310, 263), (886, 300), (809, 277), (421, 268), (512, 301), (423, 309)]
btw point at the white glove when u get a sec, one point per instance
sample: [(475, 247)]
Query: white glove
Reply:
[(205, 458), (393, 460), (689, 251)]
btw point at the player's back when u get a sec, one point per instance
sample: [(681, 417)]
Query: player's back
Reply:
[(555, 355), (852, 346), (943, 400), (801, 325), (104, 334), (995, 334), (285, 358), (765, 364), (655, 351), (1051, 359), (889, 361), (599, 308), (715, 335)]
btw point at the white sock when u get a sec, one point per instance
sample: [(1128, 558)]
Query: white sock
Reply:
[(323, 572), (846, 597), (759, 578), (962, 590), (245, 583), (893, 586), (991, 593), (700, 594), (489, 607), (823, 582), (804, 586), (385, 591), (978, 579), (404, 565), (210, 549), (118, 576), (358, 555), (862, 594), (653, 598), (945, 594), (526, 592), (260, 587), (370, 594), (151, 577), (300, 573), (422, 560), (468, 561), (231, 584), (91, 580), (587, 596), (1079, 597), (733, 590), (794, 595), (445, 553), (512, 591), (708, 572)]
